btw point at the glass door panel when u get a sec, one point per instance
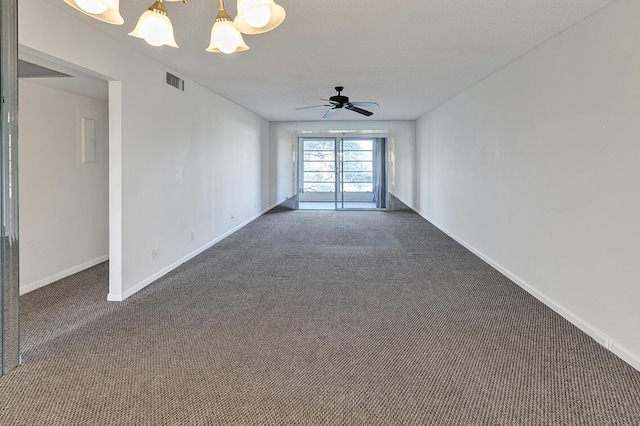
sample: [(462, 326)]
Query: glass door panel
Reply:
[(356, 168), (318, 173)]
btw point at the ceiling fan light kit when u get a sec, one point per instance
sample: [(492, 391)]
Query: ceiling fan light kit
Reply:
[(339, 101), (107, 11), (154, 25)]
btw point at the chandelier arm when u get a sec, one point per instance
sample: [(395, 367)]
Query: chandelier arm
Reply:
[(158, 7), (222, 15)]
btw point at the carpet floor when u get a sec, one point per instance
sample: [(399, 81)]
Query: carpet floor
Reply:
[(313, 318)]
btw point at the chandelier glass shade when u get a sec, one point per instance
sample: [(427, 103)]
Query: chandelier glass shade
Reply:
[(225, 37), (95, 7), (103, 10), (155, 27), (258, 16)]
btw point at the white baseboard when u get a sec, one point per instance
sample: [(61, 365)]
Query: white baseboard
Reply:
[(597, 335), (119, 297), (62, 274), (625, 355)]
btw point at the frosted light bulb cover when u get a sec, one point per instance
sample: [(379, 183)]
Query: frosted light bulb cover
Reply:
[(155, 29), (258, 16), (225, 38), (253, 17), (103, 10), (95, 7)]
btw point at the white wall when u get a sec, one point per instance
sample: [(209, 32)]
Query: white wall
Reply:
[(181, 162), (400, 150), (284, 141), (64, 205), (537, 169), (402, 161)]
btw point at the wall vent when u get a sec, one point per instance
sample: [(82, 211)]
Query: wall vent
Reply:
[(175, 81)]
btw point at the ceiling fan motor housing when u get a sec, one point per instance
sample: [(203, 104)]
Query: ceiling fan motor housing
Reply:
[(340, 100)]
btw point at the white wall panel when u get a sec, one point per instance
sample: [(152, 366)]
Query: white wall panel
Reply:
[(536, 169)]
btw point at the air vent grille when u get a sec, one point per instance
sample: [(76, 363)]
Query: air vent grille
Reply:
[(175, 81)]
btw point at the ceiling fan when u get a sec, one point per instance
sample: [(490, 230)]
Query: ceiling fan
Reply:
[(338, 101)]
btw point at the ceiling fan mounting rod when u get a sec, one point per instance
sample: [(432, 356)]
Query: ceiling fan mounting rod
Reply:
[(339, 89)]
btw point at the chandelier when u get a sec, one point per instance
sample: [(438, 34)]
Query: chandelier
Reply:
[(154, 26)]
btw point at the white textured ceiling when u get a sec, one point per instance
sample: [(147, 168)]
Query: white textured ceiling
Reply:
[(409, 56)]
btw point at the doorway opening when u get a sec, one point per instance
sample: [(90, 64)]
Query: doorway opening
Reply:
[(64, 170), (347, 173)]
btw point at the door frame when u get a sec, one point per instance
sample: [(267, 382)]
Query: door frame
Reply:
[(299, 156), (9, 235)]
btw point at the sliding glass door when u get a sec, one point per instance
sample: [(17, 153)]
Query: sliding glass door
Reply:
[(9, 290), (342, 173)]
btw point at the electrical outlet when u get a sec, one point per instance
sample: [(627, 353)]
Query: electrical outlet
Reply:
[(155, 253), (193, 235), (231, 217)]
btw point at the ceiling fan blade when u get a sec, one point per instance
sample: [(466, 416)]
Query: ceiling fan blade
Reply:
[(312, 106), (329, 113), (365, 104), (330, 101), (350, 107)]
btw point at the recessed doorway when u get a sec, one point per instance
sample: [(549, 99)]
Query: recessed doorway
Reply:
[(347, 173)]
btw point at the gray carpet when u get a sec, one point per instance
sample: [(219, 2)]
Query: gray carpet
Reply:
[(311, 318)]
